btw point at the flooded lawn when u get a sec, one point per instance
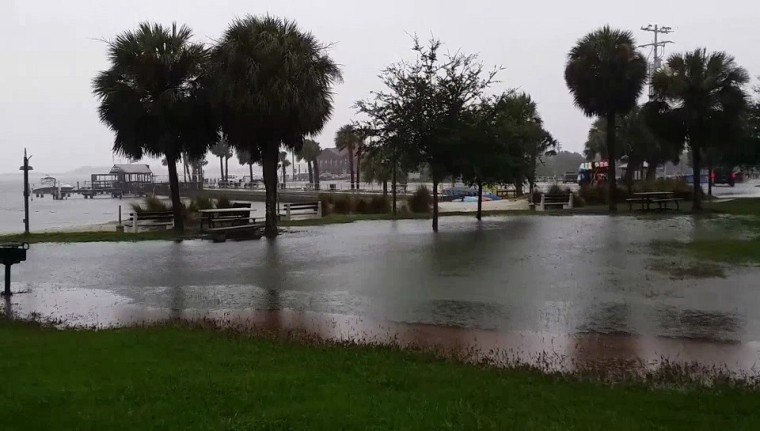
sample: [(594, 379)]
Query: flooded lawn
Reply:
[(579, 289)]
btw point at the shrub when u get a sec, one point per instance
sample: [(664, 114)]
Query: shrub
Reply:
[(361, 207), (327, 203), (342, 204), (555, 189), (202, 202), (379, 205), (150, 204), (223, 202), (593, 195), (421, 201)]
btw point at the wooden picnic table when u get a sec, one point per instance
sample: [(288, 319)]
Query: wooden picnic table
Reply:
[(648, 198), (226, 215)]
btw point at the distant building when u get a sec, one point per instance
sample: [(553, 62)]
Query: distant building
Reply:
[(334, 162), (132, 174)]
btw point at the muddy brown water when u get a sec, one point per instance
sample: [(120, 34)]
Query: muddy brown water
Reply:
[(579, 289)]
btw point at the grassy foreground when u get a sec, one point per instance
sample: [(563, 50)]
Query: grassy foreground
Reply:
[(175, 378)]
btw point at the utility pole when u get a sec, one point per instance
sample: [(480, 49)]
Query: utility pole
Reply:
[(26, 168), (658, 49)]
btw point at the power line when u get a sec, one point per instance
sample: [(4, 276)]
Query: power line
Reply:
[(658, 49)]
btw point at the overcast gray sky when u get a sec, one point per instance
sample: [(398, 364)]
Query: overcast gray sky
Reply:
[(50, 51)]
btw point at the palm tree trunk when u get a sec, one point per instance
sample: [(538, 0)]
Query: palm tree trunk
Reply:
[(351, 166), (358, 168), (221, 167), (480, 201), (385, 188), (226, 169), (629, 176), (612, 176), (393, 185), (284, 180), (435, 203), (250, 173), (179, 224), (651, 171), (316, 173), (696, 163), (311, 172), (709, 178), (269, 168)]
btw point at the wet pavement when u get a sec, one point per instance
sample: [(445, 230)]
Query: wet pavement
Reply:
[(578, 288)]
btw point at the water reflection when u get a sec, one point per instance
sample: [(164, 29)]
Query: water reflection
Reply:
[(542, 280)]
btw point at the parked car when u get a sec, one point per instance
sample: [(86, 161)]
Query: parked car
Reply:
[(723, 176)]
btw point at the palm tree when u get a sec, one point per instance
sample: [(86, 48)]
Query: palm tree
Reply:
[(273, 86), (284, 163), (347, 139), (700, 99), (606, 74), (154, 98), (309, 153), (223, 150), (247, 158)]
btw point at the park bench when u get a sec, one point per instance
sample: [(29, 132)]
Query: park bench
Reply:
[(504, 193), (560, 200), (236, 232), (239, 214), (313, 209), (163, 219), (662, 204)]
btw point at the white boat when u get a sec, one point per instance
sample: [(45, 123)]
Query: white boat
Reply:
[(51, 186)]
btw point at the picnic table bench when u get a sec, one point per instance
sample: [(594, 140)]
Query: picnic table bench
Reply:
[(560, 200), (230, 223), (504, 193), (150, 219), (646, 199), (302, 209)]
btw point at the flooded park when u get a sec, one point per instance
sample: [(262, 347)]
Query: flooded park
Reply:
[(581, 289)]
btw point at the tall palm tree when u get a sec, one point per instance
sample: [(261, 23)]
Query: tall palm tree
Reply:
[(309, 153), (154, 98), (700, 99), (222, 149), (606, 75), (284, 163), (347, 139), (247, 158), (273, 86)]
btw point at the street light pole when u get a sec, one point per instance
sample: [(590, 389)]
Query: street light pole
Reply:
[(26, 168)]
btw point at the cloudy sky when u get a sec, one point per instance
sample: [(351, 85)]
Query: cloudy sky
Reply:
[(51, 50)]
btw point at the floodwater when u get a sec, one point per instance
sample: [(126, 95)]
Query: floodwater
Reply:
[(576, 288)]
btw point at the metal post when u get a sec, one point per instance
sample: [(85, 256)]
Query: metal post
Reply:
[(119, 215), (26, 168), (7, 280)]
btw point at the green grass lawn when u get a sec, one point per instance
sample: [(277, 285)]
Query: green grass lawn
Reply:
[(172, 378)]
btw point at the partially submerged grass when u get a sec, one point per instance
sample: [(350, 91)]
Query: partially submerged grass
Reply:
[(176, 376), (679, 269), (730, 251), (71, 237), (741, 206)]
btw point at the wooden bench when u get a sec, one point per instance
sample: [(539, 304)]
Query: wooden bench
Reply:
[(151, 219), (302, 209), (504, 193), (662, 204), (563, 201), (238, 215), (631, 201), (238, 232)]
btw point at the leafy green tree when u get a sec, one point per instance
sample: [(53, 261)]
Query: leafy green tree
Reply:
[(423, 107), (606, 75), (700, 100), (153, 96), (274, 86)]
